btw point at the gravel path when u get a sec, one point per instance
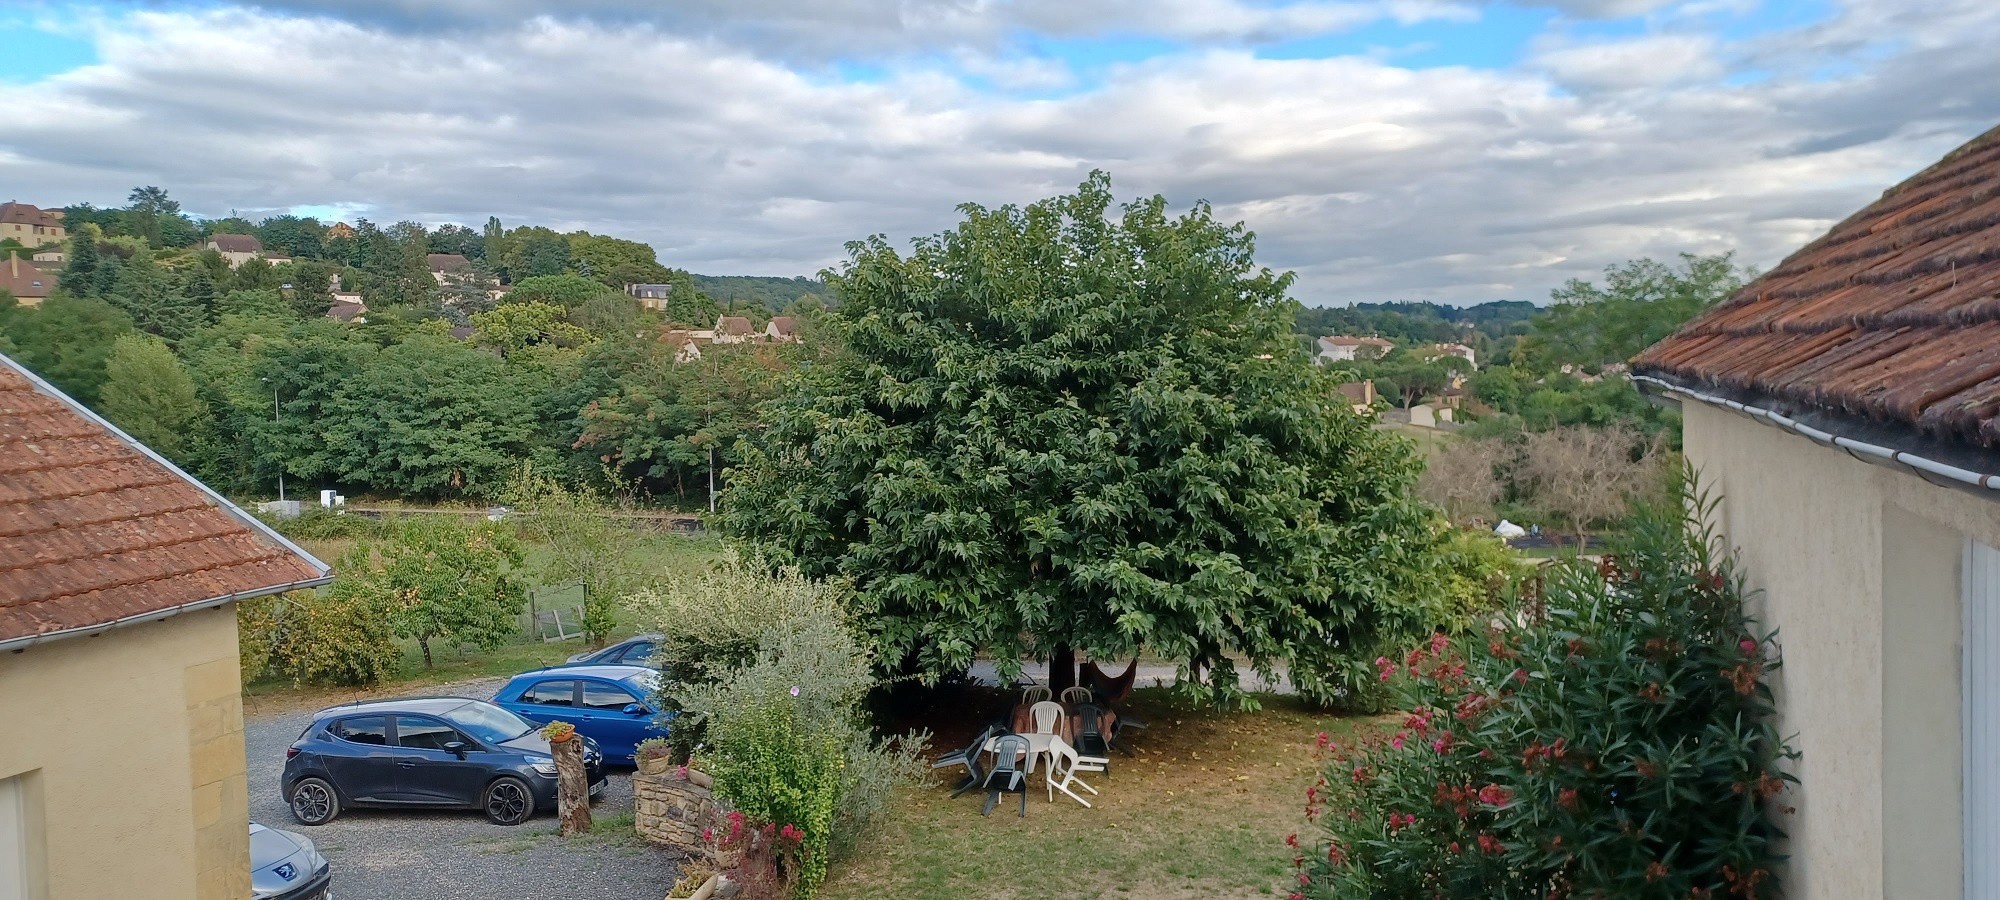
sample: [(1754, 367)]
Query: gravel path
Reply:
[(458, 855)]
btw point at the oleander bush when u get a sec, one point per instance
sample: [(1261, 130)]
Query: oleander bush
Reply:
[(1614, 740)]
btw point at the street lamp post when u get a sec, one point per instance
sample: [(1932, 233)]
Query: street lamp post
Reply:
[(274, 422)]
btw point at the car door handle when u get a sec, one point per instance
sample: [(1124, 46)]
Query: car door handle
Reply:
[(406, 765)]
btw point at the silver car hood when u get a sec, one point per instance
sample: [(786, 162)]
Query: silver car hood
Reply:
[(271, 851)]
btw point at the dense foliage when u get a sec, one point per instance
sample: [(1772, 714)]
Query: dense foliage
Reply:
[(1616, 743), (237, 375), (338, 635), (1069, 426), (763, 682)]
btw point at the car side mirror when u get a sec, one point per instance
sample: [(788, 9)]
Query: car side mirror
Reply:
[(636, 709), (456, 748)]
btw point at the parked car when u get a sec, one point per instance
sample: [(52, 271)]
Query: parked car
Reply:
[(441, 752), (632, 651), (607, 703), (284, 865)]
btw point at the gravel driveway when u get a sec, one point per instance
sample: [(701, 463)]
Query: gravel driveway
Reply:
[(446, 855)]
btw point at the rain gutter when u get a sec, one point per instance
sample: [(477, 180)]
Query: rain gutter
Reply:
[(1987, 485)]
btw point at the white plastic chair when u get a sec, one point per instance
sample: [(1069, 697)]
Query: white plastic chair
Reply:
[(1064, 763), (1034, 693), (1078, 694), (1046, 717)]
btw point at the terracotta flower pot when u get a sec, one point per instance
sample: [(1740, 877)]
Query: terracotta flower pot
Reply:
[(655, 765)]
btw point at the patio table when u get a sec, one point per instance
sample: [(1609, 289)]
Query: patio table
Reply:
[(1038, 746)]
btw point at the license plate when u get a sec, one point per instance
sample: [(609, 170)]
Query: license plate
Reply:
[(596, 789)]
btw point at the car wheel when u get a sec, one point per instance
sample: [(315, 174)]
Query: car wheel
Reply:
[(314, 801), (508, 801)]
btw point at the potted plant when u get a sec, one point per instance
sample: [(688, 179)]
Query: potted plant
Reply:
[(654, 756), (558, 732)]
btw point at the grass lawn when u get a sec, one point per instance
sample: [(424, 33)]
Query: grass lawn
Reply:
[(1201, 811)]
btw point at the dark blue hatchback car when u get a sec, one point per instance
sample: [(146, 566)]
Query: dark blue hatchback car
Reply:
[(446, 752), (606, 703)]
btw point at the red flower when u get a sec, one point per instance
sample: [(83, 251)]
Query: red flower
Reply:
[(1495, 795), (1566, 798), (1490, 844), (1291, 840)]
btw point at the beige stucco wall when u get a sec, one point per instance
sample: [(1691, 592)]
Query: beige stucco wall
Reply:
[(1858, 567), (133, 743)]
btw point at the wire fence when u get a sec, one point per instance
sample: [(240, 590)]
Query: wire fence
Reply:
[(555, 611)]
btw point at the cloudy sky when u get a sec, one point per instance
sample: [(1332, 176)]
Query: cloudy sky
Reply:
[(1455, 150)]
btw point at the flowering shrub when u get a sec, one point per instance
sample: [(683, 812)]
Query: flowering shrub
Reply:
[(779, 714), (765, 860), (1615, 742)]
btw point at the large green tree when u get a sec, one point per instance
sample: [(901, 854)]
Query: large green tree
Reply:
[(444, 581), (148, 393), (1067, 428), (1642, 301)]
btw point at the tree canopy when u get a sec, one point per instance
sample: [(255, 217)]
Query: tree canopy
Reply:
[(1068, 426)]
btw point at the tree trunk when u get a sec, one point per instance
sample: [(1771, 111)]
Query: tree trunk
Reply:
[(425, 643), (572, 786), (1062, 669)]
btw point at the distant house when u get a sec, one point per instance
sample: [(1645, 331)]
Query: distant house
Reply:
[(1343, 348), (650, 296), (733, 330), (347, 307), (1360, 394), (123, 774), (32, 226), (29, 283), (1459, 350), (340, 230), (686, 348), (782, 329), (443, 264), (236, 248), (1844, 408)]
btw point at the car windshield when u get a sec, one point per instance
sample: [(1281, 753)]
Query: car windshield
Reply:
[(644, 682), (489, 723)]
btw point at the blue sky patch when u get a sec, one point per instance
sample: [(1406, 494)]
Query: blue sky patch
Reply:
[(35, 51)]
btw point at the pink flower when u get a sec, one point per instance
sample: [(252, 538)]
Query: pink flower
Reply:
[(1438, 642), (1749, 646), (1397, 741), (795, 690), (1495, 795)]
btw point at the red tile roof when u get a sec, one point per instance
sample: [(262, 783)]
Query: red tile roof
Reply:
[(95, 531), (1893, 317), (25, 280), (236, 243), (14, 213), (733, 325), (449, 262)]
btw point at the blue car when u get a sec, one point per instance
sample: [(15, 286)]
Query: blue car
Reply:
[(440, 752), (608, 704), (632, 651)]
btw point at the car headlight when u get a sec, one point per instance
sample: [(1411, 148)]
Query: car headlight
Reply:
[(543, 766)]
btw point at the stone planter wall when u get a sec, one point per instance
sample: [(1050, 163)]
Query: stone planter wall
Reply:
[(673, 811)]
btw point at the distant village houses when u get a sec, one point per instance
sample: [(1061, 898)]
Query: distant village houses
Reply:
[(1345, 348), (33, 226), (238, 249), (650, 296), (29, 283)]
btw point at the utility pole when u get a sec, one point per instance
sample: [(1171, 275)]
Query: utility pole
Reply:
[(274, 422), (711, 480)]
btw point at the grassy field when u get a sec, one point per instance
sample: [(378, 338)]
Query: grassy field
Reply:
[(653, 553), (1201, 811)]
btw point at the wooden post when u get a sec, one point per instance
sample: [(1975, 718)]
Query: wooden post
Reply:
[(572, 786)]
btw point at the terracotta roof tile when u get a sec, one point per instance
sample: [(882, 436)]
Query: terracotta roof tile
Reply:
[(96, 531), (1893, 316)]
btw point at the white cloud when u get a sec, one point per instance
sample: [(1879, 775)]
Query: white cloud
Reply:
[(1373, 181), (1651, 61)]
